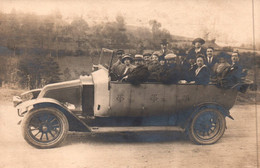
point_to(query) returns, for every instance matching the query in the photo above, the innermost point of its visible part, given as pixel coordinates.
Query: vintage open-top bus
(94, 103)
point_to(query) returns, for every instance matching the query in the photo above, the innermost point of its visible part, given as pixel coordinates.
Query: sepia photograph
(129, 83)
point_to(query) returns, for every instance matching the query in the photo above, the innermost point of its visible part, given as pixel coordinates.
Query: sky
(229, 21)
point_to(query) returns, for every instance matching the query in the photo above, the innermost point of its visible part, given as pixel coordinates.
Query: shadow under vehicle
(94, 103)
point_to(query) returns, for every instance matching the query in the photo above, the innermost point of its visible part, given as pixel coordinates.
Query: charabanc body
(94, 103)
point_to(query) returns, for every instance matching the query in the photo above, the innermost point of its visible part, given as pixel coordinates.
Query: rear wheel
(45, 127)
(207, 127)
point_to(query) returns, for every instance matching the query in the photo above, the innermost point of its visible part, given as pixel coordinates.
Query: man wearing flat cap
(196, 49)
(154, 68)
(140, 73)
(172, 71)
(147, 58)
(164, 49)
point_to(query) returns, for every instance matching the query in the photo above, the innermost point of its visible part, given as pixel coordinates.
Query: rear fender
(75, 124)
(184, 123)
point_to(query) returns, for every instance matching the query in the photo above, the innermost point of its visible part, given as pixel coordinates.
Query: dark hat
(139, 57)
(223, 55)
(127, 56)
(200, 40)
(164, 41)
(120, 52)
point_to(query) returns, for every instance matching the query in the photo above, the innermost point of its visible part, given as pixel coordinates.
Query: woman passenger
(202, 73)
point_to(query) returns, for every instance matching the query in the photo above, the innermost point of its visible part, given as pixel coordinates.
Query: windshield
(105, 57)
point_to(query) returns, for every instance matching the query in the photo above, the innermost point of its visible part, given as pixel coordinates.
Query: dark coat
(170, 75)
(154, 71)
(213, 62)
(192, 54)
(233, 76)
(117, 70)
(128, 71)
(236, 70)
(188, 71)
(138, 75)
(202, 78)
(191, 71)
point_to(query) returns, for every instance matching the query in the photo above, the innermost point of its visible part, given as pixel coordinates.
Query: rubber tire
(197, 140)
(57, 141)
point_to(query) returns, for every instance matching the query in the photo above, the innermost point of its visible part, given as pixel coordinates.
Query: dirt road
(236, 149)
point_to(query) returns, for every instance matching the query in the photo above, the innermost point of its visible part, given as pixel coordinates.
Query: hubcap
(44, 128)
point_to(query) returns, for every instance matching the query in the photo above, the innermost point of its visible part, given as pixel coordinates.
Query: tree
(155, 28)
(158, 34)
(34, 71)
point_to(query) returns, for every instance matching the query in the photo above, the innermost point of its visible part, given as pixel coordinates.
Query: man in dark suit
(140, 73)
(235, 73)
(210, 60)
(196, 49)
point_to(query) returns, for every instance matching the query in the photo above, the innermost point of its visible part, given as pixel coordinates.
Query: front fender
(75, 124)
(28, 105)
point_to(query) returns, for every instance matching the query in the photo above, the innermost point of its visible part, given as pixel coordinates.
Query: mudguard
(185, 119)
(75, 124)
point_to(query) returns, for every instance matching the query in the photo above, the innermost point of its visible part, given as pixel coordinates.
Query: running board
(137, 129)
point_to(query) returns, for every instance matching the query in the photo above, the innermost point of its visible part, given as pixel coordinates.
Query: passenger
(128, 68)
(221, 68)
(235, 73)
(236, 68)
(202, 73)
(211, 60)
(196, 49)
(181, 60)
(164, 49)
(139, 74)
(170, 74)
(161, 61)
(154, 68)
(188, 69)
(184, 66)
(147, 58)
(117, 68)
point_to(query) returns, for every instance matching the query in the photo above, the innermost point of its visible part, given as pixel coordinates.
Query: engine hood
(83, 80)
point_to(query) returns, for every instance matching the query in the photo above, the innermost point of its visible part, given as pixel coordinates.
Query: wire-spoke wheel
(207, 127)
(45, 127)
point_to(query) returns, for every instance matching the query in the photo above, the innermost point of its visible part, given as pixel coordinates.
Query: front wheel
(45, 127)
(207, 127)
